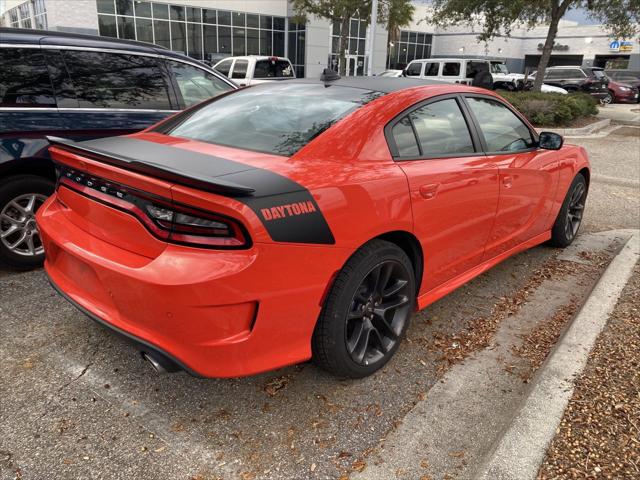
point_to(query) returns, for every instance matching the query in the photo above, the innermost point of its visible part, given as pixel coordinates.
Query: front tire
(609, 98)
(366, 312)
(20, 243)
(569, 218)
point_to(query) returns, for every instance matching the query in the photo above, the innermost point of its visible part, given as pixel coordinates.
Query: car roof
(255, 57)
(23, 36)
(376, 84)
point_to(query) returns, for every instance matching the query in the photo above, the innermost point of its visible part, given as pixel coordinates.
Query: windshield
(273, 69)
(277, 118)
(599, 73)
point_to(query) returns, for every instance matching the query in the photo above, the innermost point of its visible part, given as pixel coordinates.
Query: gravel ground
(599, 436)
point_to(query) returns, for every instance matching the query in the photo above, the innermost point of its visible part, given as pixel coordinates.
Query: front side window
(196, 85)
(273, 69)
(451, 69)
(24, 79)
(502, 129)
(441, 129)
(240, 69)
(431, 70)
(274, 118)
(414, 69)
(224, 67)
(113, 80)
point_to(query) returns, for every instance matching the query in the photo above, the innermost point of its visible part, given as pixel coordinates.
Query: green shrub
(552, 109)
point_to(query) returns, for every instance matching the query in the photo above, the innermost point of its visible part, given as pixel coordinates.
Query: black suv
(589, 80)
(78, 87)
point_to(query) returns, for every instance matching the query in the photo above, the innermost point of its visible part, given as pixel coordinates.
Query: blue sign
(614, 46)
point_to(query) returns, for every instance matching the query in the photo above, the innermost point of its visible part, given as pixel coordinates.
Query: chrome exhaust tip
(155, 364)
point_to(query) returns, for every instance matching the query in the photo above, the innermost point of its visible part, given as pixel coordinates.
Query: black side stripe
(287, 210)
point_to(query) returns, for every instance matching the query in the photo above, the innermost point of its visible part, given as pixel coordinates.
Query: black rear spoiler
(188, 177)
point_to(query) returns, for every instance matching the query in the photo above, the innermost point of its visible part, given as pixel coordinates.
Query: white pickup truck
(254, 69)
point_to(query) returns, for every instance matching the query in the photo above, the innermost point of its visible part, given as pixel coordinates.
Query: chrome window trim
(123, 52)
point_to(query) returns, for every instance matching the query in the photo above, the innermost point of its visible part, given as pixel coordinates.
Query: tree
(393, 13)
(498, 17)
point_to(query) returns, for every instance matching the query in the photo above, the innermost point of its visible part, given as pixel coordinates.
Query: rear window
(278, 118)
(273, 69)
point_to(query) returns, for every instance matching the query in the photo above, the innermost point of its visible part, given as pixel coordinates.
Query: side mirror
(550, 141)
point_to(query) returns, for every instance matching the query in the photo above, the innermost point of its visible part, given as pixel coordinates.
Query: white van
(254, 69)
(453, 70)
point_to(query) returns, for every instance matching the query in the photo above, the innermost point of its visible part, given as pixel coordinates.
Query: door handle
(430, 190)
(507, 181)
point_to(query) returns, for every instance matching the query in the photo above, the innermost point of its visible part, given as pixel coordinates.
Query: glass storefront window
(202, 33)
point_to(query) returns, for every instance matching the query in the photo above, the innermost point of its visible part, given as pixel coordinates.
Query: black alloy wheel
(569, 218)
(575, 209)
(378, 313)
(366, 312)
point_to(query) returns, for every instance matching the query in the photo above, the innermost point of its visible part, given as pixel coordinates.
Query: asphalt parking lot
(78, 402)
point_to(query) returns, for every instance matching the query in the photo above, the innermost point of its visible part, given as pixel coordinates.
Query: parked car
(463, 70)
(503, 79)
(78, 87)
(621, 93)
(249, 233)
(589, 80)
(254, 69)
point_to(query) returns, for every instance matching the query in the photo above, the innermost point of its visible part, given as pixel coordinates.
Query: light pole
(372, 35)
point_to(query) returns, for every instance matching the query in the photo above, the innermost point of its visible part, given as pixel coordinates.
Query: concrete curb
(522, 447)
(589, 129)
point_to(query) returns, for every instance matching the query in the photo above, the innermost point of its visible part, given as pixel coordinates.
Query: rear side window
(273, 69)
(113, 80)
(240, 69)
(441, 129)
(24, 79)
(195, 84)
(431, 70)
(451, 69)
(502, 129)
(278, 118)
(405, 138)
(414, 69)
(224, 67)
(435, 130)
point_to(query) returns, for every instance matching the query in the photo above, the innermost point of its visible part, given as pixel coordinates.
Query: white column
(372, 36)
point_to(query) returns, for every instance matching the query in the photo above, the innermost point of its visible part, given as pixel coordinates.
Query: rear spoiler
(196, 180)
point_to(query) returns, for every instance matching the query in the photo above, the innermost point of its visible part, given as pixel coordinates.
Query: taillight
(163, 218)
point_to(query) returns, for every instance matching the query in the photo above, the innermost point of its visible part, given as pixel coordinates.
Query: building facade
(213, 29)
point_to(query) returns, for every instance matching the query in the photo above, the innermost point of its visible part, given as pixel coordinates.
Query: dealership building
(213, 29)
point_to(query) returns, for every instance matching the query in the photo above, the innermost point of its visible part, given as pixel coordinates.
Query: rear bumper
(215, 313)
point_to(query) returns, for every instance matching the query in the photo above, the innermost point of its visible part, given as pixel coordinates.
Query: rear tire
(569, 218)
(366, 312)
(20, 198)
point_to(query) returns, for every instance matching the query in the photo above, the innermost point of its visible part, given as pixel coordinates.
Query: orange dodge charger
(301, 219)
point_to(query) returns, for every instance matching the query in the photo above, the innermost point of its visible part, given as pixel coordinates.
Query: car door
(528, 175)
(108, 93)
(454, 186)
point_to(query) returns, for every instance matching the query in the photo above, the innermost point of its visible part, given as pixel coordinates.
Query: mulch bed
(599, 435)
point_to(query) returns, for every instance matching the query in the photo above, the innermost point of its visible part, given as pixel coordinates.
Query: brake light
(163, 218)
